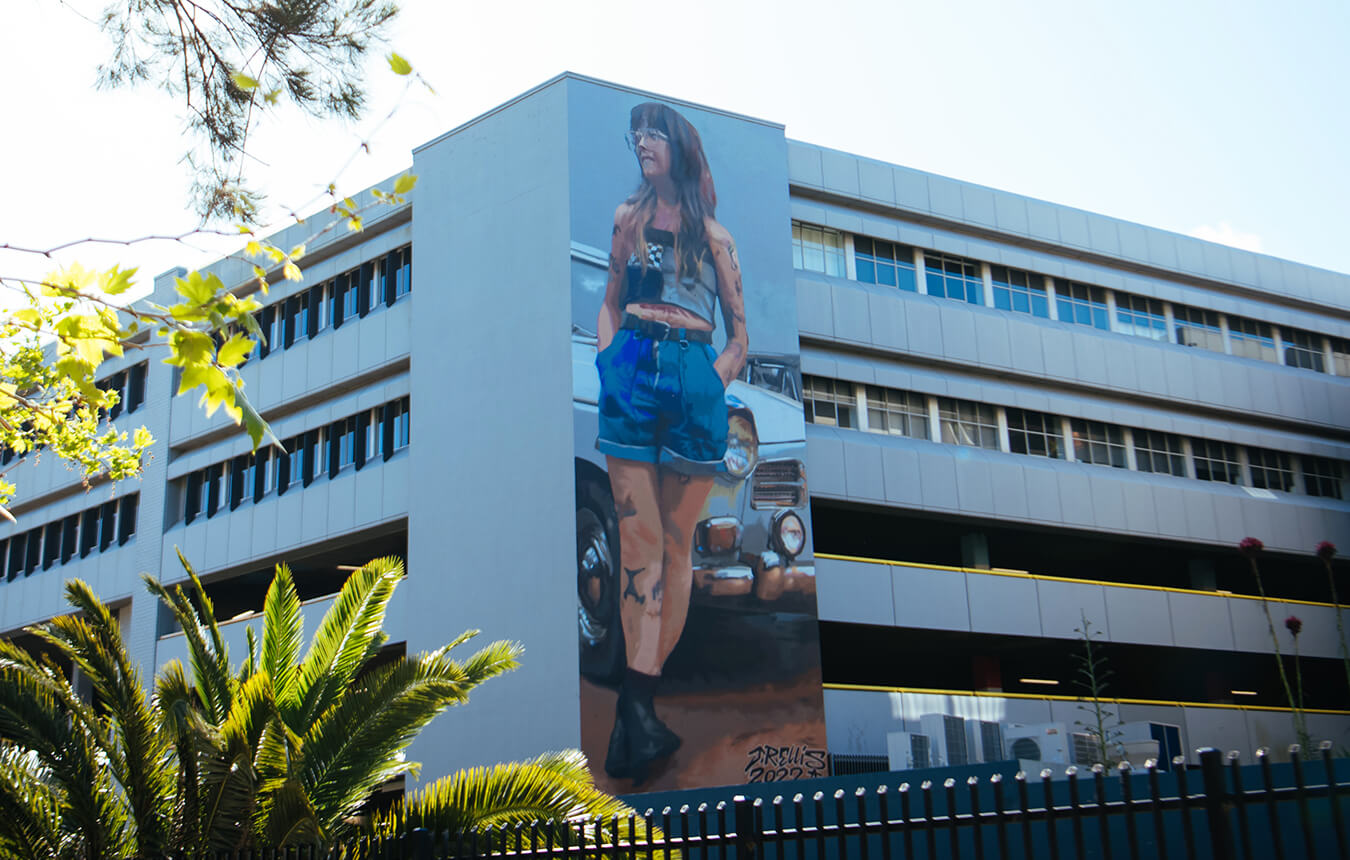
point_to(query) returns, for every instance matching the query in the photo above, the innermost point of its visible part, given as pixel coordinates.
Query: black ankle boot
(639, 737)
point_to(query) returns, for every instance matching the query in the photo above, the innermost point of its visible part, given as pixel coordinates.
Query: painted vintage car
(751, 547)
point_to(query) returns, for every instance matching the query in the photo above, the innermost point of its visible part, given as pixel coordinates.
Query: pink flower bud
(1294, 624)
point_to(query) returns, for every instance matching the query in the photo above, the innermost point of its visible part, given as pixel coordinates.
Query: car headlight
(789, 534)
(742, 446)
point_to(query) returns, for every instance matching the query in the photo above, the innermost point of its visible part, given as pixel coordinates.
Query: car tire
(599, 626)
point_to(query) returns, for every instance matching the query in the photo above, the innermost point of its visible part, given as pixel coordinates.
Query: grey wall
(491, 513)
(934, 598)
(980, 209)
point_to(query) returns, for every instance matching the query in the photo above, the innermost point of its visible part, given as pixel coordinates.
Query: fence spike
(1239, 796)
(1076, 816)
(861, 796)
(1000, 815)
(929, 833)
(1301, 789)
(722, 829)
(818, 801)
(884, 814)
(1216, 803)
(1103, 823)
(1024, 802)
(799, 817)
(1332, 797)
(1184, 801)
(973, 783)
(779, 838)
(1051, 833)
(949, 789)
(1127, 797)
(703, 830)
(1272, 812)
(747, 835)
(839, 824)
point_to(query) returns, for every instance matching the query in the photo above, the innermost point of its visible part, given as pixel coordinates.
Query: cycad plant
(279, 749)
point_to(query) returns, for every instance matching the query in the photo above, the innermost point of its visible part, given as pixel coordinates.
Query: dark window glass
(126, 518)
(953, 278)
(70, 537)
(1081, 304)
(107, 525)
(1034, 433)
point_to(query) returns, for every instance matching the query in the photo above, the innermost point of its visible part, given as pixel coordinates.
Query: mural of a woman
(663, 415)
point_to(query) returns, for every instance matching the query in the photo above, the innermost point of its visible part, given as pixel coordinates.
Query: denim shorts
(662, 402)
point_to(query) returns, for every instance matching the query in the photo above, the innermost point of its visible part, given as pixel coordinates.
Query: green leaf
(405, 183)
(28, 316)
(196, 289)
(234, 350)
(399, 65)
(189, 347)
(116, 281)
(243, 81)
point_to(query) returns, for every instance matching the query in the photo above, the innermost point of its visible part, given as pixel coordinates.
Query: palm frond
(40, 712)
(555, 787)
(31, 825)
(210, 668)
(283, 633)
(229, 777)
(136, 750)
(353, 747)
(285, 816)
(347, 637)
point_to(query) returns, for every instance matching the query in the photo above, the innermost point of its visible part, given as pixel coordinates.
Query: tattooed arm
(621, 246)
(732, 297)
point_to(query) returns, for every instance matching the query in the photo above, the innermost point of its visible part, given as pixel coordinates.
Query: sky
(1225, 120)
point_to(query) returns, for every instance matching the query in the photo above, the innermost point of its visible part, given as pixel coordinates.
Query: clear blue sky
(1220, 119)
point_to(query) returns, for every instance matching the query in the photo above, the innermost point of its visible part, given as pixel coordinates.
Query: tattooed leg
(640, 565)
(682, 498)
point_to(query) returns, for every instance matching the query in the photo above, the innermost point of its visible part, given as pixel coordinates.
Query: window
(1081, 304)
(350, 305)
(218, 486)
(1303, 349)
(51, 545)
(1141, 317)
(1340, 356)
(265, 471)
(1323, 477)
(70, 537)
(953, 278)
(401, 263)
(884, 263)
(1216, 461)
(1019, 291)
(318, 309)
(966, 423)
(18, 549)
(126, 518)
(1196, 327)
(244, 480)
(1271, 470)
(1099, 444)
(375, 434)
(1161, 453)
(1251, 339)
(346, 443)
(902, 413)
(88, 531)
(829, 402)
(402, 423)
(1034, 433)
(817, 249)
(107, 532)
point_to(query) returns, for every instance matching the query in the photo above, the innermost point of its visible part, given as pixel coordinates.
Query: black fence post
(1216, 804)
(747, 834)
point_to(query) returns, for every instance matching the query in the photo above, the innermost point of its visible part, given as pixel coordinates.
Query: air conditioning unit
(1167, 736)
(984, 740)
(1049, 742)
(908, 750)
(948, 736)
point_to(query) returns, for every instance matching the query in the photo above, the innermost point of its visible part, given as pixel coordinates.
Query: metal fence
(1220, 809)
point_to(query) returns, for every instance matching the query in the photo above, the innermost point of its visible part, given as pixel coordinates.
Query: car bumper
(765, 577)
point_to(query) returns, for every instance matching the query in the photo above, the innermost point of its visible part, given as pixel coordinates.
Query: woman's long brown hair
(693, 185)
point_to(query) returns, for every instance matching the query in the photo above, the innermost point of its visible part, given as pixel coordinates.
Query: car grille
(778, 484)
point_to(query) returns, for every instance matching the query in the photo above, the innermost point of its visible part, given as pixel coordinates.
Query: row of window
(1022, 431)
(130, 387)
(355, 441)
(352, 294)
(78, 535)
(821, 249)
